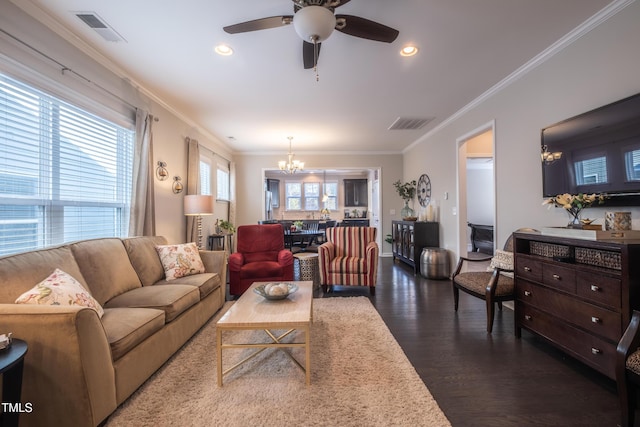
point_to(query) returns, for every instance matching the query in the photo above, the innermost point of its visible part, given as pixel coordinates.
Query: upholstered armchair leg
(456, 297)
(372, 290)
(325, 288)
(490, 315)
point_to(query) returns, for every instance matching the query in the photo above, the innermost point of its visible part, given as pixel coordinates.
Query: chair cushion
(261, 269)
(477, 282)
(348, 265)
(351, 241)
(128, 327)
(633, 362)
(173, 299)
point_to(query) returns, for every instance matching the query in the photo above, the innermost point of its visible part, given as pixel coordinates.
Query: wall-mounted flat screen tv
(595, 152)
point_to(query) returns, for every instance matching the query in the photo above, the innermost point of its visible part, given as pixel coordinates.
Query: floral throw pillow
(180, 260)
(60, 288)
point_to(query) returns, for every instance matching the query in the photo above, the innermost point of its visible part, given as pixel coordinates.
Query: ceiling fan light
(314, 23)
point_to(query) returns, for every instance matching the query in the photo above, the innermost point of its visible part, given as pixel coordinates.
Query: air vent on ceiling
(410, 123)
(98, 25)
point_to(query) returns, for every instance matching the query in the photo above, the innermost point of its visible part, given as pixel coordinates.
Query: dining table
(301, 239)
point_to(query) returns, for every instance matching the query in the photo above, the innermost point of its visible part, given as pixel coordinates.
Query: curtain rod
(64, 69)
(187, 139)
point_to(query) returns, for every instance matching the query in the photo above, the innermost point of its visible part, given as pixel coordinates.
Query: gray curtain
(142, 216)
(193, 182)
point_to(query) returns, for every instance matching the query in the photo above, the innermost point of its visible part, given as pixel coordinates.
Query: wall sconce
(177, 185)
(161, 171)
(549, 157)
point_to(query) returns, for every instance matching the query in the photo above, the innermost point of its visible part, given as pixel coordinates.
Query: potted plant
(225, 227)
(298, 225)
(407, 192)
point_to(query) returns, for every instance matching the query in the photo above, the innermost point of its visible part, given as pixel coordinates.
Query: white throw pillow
(60, 288)
(180, 260)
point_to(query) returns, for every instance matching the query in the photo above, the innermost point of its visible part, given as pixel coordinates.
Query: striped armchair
(349, 258)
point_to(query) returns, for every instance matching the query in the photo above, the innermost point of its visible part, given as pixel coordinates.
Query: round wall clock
(424, 190)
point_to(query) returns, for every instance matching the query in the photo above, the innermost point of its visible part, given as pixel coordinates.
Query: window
(293, 196)
(312, 196)
(223, 185)
(205, 177)
(65, 174)
(632, 165)
(331, 190)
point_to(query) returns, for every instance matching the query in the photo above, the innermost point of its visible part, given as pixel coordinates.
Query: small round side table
(11, 365)
(307, 267)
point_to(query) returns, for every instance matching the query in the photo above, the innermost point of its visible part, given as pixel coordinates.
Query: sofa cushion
(205, 282)
(144, 257)
(180, 260)
(348, 265)
(106, 267)
(18, 273)
(128, 327)
(172, 299)
(60, 288)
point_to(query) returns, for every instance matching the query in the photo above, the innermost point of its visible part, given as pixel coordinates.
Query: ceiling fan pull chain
(315, 59)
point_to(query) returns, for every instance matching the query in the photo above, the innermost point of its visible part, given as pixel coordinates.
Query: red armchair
(349, 258)
(260, 257)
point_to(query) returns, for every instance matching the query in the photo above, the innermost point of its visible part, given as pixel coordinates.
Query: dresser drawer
(594, 319)
(600, 289)
(528, 268)
(559, 277)
(593, 351)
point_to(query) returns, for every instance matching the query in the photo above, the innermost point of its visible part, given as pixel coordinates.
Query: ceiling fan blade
(366, 29)
(259, 24)
(308, 54)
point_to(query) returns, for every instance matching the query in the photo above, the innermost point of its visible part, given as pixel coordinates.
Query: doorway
(476, 187)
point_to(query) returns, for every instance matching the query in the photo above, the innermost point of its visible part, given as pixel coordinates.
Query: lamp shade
(198, 205)
(314, 23)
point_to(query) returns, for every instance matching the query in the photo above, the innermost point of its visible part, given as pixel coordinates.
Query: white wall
(600, 67)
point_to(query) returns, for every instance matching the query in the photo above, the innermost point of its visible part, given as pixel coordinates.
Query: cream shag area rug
(359, 377)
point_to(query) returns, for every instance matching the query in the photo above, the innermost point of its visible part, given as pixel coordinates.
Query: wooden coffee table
(253, 312)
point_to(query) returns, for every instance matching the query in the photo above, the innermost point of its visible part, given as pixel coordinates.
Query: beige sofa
(80, 367)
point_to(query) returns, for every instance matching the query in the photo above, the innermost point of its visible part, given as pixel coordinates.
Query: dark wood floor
(481, 379)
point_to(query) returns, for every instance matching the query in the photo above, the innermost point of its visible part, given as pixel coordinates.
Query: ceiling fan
(314, 21)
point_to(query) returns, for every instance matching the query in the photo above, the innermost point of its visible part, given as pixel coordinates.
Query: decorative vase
(574, 219)
(406, 211)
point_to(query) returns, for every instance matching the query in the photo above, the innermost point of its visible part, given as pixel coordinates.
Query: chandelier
(290, 165)
(549, 157)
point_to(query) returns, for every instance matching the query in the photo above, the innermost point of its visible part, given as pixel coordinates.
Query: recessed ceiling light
(224, 50)
(409, 51)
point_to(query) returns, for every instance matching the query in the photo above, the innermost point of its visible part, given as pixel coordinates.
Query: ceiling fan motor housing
(314, 23)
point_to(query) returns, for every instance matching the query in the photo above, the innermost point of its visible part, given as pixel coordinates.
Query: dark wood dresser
(578, 294)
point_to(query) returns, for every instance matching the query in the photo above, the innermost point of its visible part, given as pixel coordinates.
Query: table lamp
(198, 205)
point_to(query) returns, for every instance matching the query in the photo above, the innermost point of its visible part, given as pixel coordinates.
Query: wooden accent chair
(349, 257)
(492, 286)
(628, 370)
(260, 257)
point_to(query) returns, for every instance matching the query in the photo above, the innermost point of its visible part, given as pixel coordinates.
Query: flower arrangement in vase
(574, 204)
(407, 192)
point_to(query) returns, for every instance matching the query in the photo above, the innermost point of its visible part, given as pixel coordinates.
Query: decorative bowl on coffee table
(266, 292)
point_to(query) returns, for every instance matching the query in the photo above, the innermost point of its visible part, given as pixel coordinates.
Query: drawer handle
(595, 288)
(528, 317)
(527, 293)
(527, 269)
(595, 350)
(555, 276)
(595, 319)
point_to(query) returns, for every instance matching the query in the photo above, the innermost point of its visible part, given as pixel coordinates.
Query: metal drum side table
(306, 267)
(435, 263)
